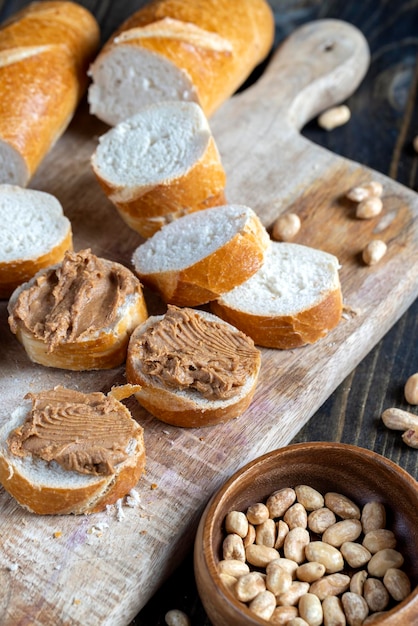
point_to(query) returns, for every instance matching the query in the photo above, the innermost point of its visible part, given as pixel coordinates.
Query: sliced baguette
(45, 50)
(200, 256)
(59, 336)
(34, 234)
(198, 51)
(196, 354)
(294, 299)
(160, 164)
(47, 488)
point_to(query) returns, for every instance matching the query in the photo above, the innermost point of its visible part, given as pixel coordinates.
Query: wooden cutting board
(101, 569)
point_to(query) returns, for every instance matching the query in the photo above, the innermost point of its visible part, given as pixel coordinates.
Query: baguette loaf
(192, 368)
(79, 314)
(160, 164)
(200, 256)
(200, 50)
(92, 455)
(34, 234)
(45, 50)
(294, 298)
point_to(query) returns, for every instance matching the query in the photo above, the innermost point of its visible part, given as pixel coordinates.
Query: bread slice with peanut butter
(79, 314)
(71, 452)
(193, 368)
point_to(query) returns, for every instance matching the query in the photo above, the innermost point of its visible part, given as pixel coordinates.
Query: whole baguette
(200, 50)
(45, 50)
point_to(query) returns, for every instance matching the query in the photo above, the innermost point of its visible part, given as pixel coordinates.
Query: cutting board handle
(318, 66)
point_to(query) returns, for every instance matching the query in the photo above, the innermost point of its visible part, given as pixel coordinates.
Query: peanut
(297, 621)
(410, 437)
(249, 586)
(355, 608)
(366, 209)
(334, 117)
(281, 531)
(295, 543)
(292, 596)
(355, 554)
(397, 583)
(362, 192)
(357, 582)
(176, 618)
(375, 594)
(260, 556)
(296, 516)
(379, 539)
(333, 613)
(250, 536)
(320, 519)
(326, 554)
(263, 605)
(257, 513)
(310, 609)
(280, 500)
(373, 516)
(309, 572)
(283, 614)
(332, 585)
(383, 560)
(265, 533)
(278, 579)
(228, 581)
(397, 419)
(374, 252)
(286, 227)
(233, 567)
(411, 389)
(287, 564)
(346, 530)
(309, 497)
(233, 547)
(236, 522)
(342, 506)
(373, 618)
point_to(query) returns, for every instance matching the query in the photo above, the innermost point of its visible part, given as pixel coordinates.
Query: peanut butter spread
(184, 350)
(86, 433)
(74, 300)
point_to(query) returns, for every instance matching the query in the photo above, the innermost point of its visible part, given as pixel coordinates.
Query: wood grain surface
(102, 571)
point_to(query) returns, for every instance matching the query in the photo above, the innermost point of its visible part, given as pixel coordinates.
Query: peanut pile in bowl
(303, 558)
(311, 534)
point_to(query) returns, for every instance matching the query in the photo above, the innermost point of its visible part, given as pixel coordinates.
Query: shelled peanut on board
(398, 419)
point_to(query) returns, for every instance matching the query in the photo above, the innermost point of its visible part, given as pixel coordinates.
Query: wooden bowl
(358, 473)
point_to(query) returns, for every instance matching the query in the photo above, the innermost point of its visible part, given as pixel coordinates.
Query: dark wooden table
(383, 124)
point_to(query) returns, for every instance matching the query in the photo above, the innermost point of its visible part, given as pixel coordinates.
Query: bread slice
(45, 49)
(193, 369)
(161, 163)
(34, 234)
(198, 257)
(47, 487)
(179, 50)
(294, 298)
(79, 314)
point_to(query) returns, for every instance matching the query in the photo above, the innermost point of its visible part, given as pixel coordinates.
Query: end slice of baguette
(49, 489)
(160, 164)
(184, 405)
(198, 257)
(294, 299)
(34, 234)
